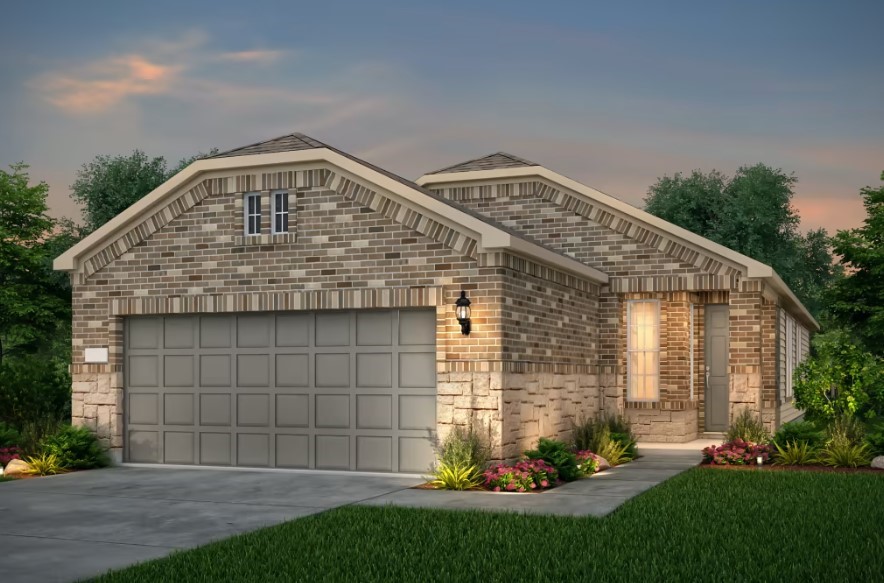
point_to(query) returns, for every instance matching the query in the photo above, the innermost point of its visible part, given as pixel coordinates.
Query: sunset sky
(611, 94)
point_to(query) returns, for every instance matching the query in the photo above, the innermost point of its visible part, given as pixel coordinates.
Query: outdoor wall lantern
(462, 311)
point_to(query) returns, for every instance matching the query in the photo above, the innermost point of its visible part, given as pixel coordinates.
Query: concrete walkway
(68, 527)
(597, 495)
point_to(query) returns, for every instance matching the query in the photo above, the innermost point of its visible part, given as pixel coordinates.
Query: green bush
(846, 428)
(76, 448)
(615, 453)
(747, 427)
(799, 432)
(875, 435)
(9, 435)
(839, 379)
(33, 389)
(794, 453)
(596, 434)
(464, 447)
(558, 454)
(456, 477)
(45, 464)
(841, 453)
(34, 432)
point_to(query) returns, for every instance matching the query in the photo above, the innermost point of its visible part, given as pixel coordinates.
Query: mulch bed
(772, 468)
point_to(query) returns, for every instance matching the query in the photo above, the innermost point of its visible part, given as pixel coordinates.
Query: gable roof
(489, 162)
(753, 269)
(298, 148)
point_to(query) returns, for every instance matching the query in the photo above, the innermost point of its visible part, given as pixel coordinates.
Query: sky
(612, 94)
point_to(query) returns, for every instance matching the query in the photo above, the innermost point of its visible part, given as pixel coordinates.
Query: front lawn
(699, 526)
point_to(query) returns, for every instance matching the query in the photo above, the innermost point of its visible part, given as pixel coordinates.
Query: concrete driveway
(64, 528)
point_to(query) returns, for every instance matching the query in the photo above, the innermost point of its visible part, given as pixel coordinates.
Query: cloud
(106, 83)
(263, 57)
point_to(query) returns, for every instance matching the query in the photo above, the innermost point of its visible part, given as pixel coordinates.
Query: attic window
(252, 210)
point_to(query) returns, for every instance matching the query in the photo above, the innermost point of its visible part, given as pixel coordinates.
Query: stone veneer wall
(354, 248)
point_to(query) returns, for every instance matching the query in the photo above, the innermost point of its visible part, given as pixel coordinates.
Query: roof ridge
(477, 163)
(304, 138)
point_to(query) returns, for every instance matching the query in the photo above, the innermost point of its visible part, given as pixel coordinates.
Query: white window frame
(691, 350)
(790, 357)
(277, 213)
(249, 215)
(630, 352)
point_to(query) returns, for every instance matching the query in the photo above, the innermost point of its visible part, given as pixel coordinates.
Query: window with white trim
(252, 213)
(792, 354)
(643, 350)
(280, 212)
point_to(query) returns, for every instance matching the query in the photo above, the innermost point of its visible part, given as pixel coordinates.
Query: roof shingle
(489, 162)
(287, 143)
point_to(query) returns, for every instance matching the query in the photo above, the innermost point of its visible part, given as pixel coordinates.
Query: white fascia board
(488, 236)
(754, 269)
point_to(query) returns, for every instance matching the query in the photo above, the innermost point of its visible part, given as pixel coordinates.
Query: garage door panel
(292, 451)
(293, 410)
(252, 370)
(215, 331)
(374, 370)
(253, 331)
(144, 333)
(333, 411)
(143, 409)
(292, 370)
(374, 412)
(178, 447)
(374, 328)
(253, 449)
(293, 329)
(417, 369)
(178, 371)
(178, 333)
(253, 410)
(417, 327)
(374, 453)
(215, 449)
(143, 371)
(178, 409)
(333, 452)
(332, 370)
(215, 370)
(343, 390)
(144, 446)
(215, 409)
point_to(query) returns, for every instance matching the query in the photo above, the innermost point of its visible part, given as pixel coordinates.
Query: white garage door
(343, 390)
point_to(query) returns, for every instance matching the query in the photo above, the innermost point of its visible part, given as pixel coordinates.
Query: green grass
(5, 478)
(703, 525)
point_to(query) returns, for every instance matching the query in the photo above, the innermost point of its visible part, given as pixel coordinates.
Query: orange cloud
(256, 56)
(106, 83)
(830, 212)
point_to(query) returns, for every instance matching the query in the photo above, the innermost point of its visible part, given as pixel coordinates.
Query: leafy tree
(750, 213)
(858, 298)
(33, 299)
(109, 184)
(840, 378)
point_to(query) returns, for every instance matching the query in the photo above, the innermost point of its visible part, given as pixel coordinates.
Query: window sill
(265, 239)
(673, 405)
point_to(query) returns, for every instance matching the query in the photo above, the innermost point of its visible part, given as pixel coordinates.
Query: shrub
(840, 452)
(747, 427)
(9, 435)
(34, 432)
(799, 432)
(530, 474)
(557, 454)
(587, 462)
(839, 378)
(457, 477)
(464, 447)
(7, 454)
(845, 428)
(615, 453)
(875, 436)
(34, 388)
(594, 434)
(45, 464)
(795, 453)
(76, 448)
(737, 452)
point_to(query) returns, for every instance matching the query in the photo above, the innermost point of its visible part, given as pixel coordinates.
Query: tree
(750, 213)
(33, 299)
(109, 184)
(858, 299)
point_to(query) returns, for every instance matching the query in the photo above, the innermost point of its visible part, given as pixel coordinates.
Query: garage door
(344, 390)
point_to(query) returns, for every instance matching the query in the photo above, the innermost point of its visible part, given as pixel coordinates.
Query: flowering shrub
(526, 475)
(736, 452)
(7, 454)
(587, 462)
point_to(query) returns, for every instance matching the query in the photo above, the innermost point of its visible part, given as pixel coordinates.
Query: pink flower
(497, 488)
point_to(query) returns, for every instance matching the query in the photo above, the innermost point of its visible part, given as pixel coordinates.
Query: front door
(716, 367)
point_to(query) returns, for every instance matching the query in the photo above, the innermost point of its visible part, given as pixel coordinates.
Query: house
(286, 304)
